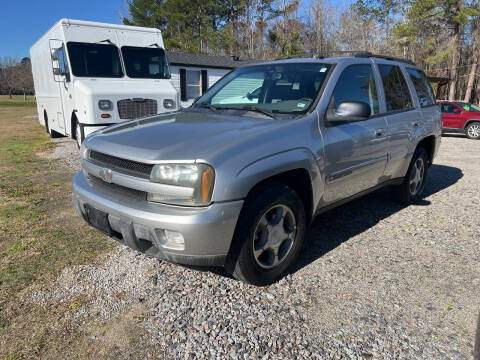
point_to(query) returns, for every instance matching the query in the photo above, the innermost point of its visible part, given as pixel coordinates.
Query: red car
(460, 117)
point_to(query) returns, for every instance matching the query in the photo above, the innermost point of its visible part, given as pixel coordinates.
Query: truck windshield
(145, 63)
(289, 88)
(94, 60)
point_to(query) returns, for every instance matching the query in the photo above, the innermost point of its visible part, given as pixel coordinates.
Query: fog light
(168, 103)
(172, 239)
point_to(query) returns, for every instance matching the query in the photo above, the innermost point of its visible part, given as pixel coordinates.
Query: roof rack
(368, 54)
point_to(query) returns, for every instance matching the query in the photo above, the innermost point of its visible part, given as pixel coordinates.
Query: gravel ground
(375, 280)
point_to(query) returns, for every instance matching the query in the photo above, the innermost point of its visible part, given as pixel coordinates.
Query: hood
(125, 88)
(187, 135)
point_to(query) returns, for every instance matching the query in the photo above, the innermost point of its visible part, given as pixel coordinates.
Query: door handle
(379, 133)
(416, 124)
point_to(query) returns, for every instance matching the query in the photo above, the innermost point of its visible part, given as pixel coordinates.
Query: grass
(17, 101)
(40, 234)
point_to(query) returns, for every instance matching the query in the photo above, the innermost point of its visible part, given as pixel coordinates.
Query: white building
(193, 74)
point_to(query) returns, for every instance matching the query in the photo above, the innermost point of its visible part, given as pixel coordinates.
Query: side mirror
(58, 71)
(457, 111)
(349, 111)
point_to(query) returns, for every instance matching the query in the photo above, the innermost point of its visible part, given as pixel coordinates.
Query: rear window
(422, 87)
(94, 60)
(397, 96)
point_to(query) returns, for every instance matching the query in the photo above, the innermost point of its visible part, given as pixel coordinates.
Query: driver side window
(357, 83)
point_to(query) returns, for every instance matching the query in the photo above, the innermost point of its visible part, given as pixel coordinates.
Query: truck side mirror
(349, 111)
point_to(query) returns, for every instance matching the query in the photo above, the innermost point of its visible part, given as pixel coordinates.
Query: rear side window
(357, 83)
(397, 95)
(422, 87)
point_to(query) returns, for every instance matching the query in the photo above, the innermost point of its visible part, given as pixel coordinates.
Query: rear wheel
(269, 235)
(473, 131)
(411, 189)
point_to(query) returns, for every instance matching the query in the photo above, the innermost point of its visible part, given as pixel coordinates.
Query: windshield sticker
(300, 105)
(323, 69)
(296, 86)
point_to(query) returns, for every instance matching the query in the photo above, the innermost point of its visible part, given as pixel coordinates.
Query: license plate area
(98, 219)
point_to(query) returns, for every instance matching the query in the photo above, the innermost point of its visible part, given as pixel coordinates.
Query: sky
(22, 22)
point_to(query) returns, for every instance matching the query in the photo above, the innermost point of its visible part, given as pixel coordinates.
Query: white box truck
(89, 75)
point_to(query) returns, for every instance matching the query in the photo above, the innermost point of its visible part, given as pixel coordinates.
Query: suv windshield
(145, 63)
(94, 60)
(289, 88)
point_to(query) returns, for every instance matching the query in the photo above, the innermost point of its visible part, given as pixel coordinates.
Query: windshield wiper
(208, 106)
(253, 108)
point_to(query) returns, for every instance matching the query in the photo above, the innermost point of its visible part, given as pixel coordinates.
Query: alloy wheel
(474, 130)
(274, 236)
(416, 177)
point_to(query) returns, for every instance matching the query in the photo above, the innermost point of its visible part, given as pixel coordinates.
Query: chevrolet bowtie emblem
(106, 175)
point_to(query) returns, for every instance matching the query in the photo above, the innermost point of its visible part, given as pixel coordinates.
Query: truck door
(451, 116)
(62, 77)
(355, 152)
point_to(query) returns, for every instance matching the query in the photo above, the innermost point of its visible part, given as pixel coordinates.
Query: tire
(79, 134)
(411, 189)
(260, 227)
(46, 124)
(472, 131)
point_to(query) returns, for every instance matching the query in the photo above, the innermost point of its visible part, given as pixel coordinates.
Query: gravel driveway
(375, 280)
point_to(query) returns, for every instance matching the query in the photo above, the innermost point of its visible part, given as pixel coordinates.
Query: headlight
(84, 151)
(198, 179)
(168, 103)
(105, 105)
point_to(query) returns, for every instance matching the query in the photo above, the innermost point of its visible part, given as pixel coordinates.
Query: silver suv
(236, 179)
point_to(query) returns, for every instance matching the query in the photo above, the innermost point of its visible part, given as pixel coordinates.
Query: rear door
(355, 152)
(401, 115)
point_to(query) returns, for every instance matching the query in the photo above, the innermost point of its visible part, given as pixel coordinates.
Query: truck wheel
(79, 134)
(473, 131)
(269, 235)
(45, 117)
(411, 189)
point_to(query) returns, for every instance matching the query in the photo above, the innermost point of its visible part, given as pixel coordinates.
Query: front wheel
(269, 235)
(78, 134)
(473, 131)
(411, 189)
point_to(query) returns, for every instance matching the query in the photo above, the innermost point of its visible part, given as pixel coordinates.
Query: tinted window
(281, 88)
(469, 107)
(357, 83)
(448, 108)
(94, 60)
(397, 96)
(146, 63)
(422, 87)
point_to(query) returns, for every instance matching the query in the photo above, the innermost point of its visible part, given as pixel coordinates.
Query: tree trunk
(454, 64)
(10, 93)
(455, 56)
(471, 79)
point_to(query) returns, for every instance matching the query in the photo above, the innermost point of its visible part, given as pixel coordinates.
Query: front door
(355, 152)
(452, 116)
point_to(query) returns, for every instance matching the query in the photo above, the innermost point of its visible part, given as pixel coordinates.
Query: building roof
(209, 61)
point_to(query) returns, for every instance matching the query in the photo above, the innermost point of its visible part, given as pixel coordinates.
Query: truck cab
(90, 75)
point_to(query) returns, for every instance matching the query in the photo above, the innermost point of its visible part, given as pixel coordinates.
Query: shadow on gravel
(336, 226)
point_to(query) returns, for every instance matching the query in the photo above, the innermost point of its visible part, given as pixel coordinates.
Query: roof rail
(356, 53)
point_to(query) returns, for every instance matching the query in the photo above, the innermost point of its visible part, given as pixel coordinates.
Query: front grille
(120, 190)
(136, 108)
(124, 166)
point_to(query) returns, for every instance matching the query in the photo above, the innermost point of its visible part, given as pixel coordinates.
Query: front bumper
(207, 231)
